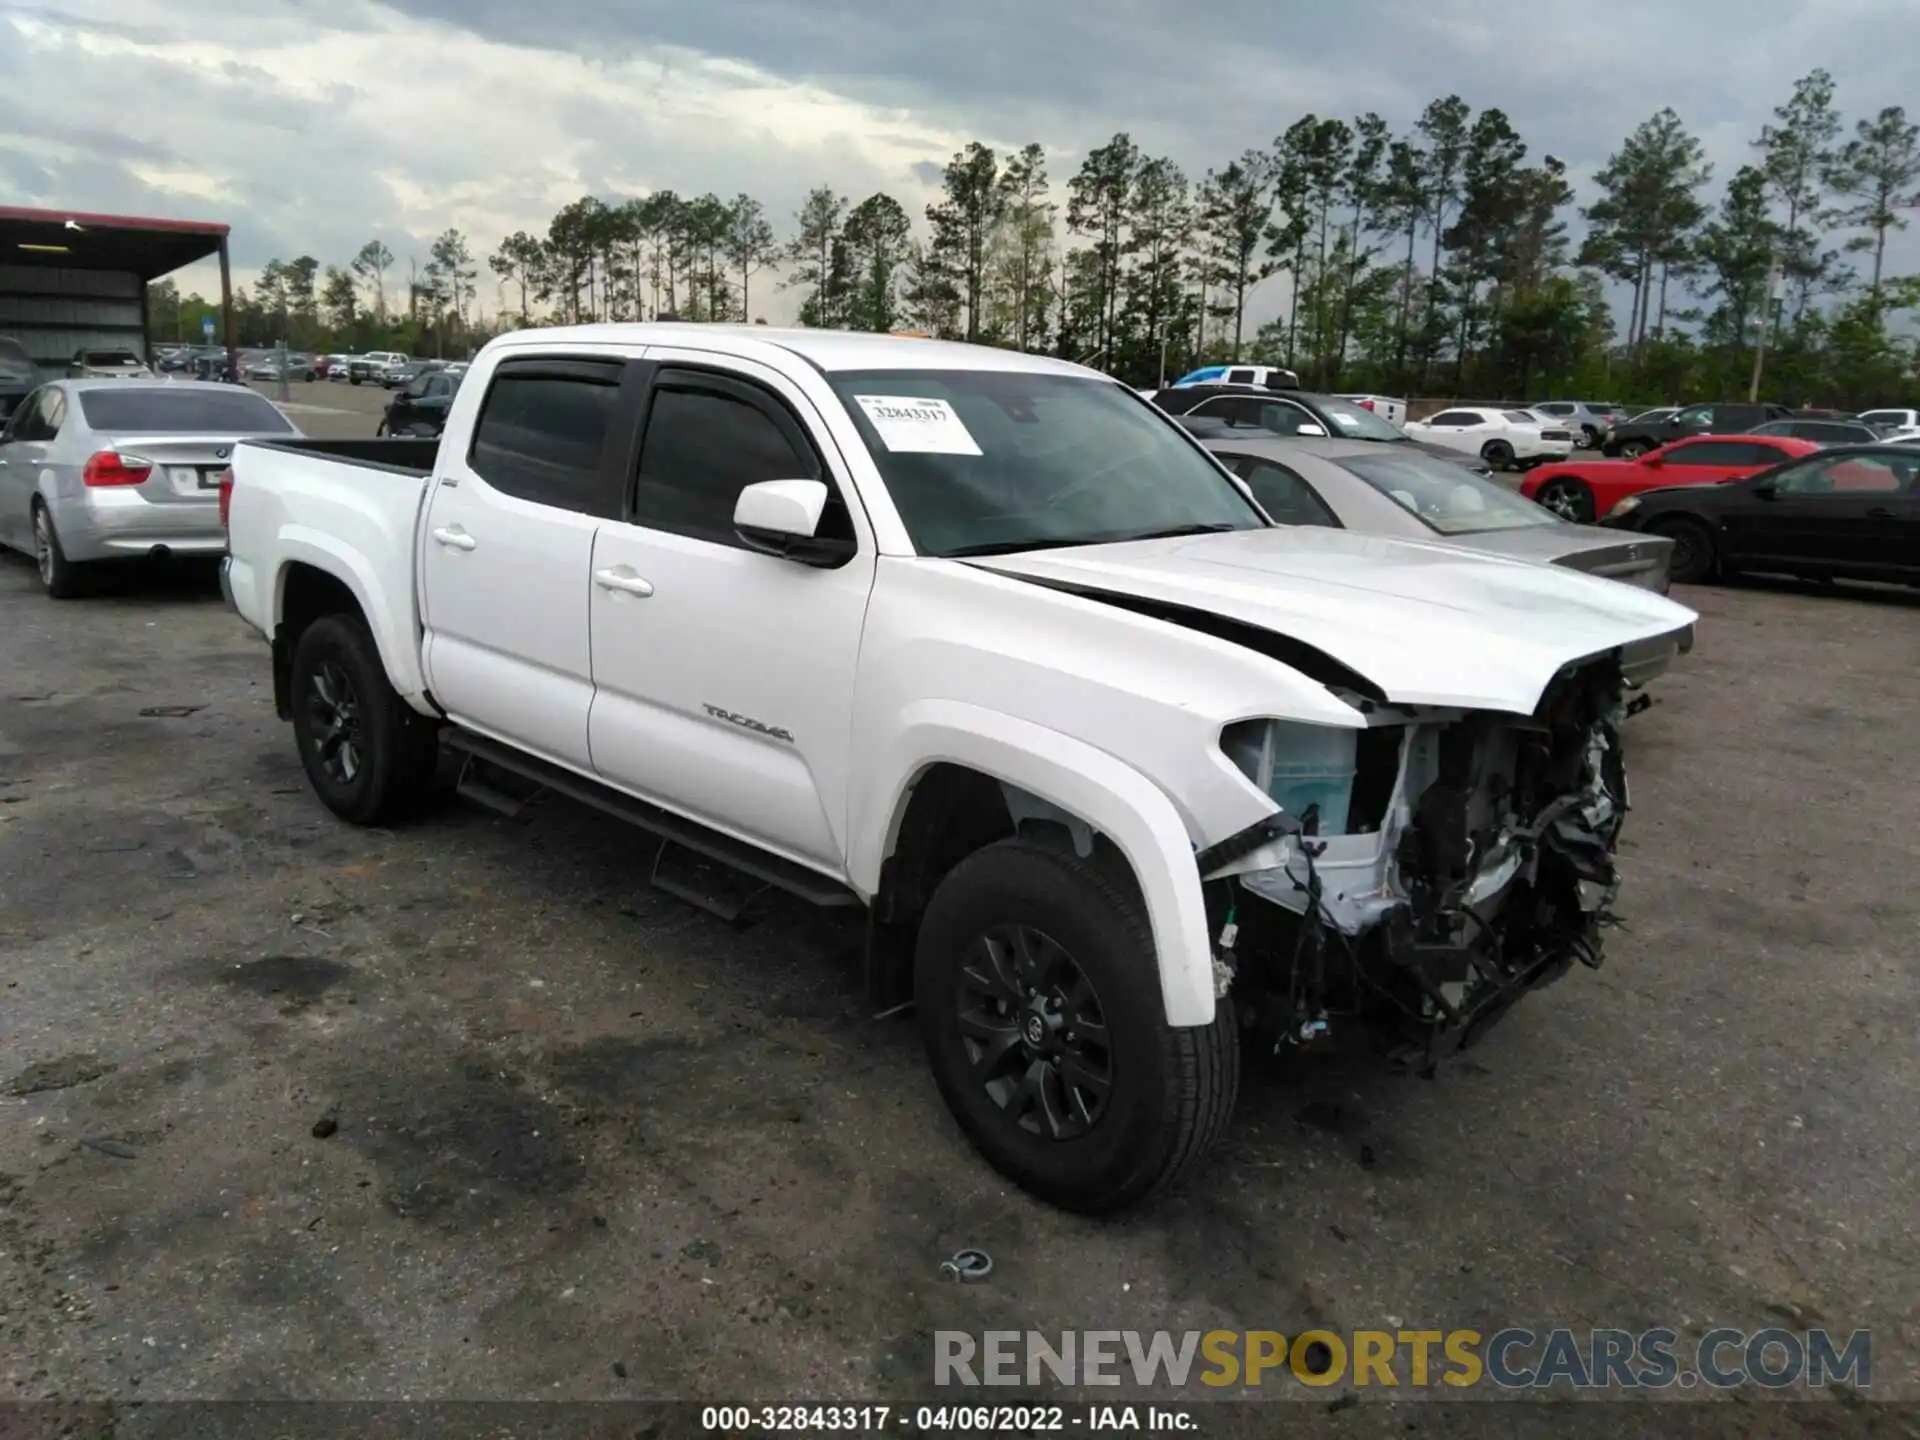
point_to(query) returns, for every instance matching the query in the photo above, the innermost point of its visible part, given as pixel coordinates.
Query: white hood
(1427, 624)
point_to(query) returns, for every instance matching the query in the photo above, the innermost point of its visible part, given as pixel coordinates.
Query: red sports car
(1583, 491)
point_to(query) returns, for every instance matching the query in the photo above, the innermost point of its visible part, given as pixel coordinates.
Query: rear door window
(1713, 453)
(1239, 377)
(542, 433)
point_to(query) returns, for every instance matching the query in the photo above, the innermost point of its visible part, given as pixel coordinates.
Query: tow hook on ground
(969, 1264)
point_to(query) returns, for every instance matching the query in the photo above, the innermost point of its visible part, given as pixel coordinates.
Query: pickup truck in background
(372, 367)
(983, 646)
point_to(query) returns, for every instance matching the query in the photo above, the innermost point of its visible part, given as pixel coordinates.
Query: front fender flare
(1113, 797)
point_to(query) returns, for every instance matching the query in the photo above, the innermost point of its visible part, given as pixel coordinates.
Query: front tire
(1569, 499)
(369, 756)
(59, 576)
(1695, 558)
(1039, 1004)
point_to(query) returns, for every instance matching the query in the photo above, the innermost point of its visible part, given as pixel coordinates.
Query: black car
(1293, 413)
(19, 376)
(1848, 513)
(420, 407)
(1636, 438)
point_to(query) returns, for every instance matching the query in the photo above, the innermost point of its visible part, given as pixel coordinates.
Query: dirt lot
(593, 1144)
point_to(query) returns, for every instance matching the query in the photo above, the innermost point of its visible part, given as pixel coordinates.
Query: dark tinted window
(1455, 417)
(1839, 434)
(1240, 377)
(1283, 494)
(111, 357)
(39, 416)
(1882, 473)
(541, 433)
(177, 410)
(1713, 452)
(702, 448)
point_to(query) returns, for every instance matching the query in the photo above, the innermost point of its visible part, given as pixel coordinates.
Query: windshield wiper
(1003, 547)
(1175, 531)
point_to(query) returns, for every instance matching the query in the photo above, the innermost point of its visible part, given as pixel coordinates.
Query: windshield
(985, 461)
(177, 410)
(1445, 497)
(112, 357)
(1356, 422)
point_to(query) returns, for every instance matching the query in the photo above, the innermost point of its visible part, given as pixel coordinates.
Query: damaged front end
(1425, 872)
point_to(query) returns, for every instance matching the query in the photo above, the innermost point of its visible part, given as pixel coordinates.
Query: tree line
(1438, 261)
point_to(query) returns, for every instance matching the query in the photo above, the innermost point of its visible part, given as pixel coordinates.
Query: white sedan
(1502, 438)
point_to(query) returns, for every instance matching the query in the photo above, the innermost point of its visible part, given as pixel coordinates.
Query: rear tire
(1695, 558)
(1568, 498)
(1497, 453)
(1042, 959)
(59, 576)
(369, 755)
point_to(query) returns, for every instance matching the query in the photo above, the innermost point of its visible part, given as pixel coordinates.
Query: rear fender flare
(384, 611)
(1111, 796)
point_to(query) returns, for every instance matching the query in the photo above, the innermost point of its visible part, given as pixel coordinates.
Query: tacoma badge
(747, 722)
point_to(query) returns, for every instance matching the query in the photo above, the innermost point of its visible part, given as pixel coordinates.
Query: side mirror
(1311, 430)
(782, 517)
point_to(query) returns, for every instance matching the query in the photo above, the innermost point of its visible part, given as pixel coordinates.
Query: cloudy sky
(313, 125)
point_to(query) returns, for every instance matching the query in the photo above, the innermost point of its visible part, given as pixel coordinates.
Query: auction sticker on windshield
(916, 425)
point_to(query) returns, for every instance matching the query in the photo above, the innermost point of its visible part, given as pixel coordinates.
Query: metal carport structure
(64, 272)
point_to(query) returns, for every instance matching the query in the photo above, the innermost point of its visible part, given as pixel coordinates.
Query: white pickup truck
(981, 643)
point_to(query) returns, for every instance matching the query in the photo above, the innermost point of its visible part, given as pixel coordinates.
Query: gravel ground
(466, 1110)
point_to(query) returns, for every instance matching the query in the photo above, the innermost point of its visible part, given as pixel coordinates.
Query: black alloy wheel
(1034, 1032)
(333, 721)
(1694, 556)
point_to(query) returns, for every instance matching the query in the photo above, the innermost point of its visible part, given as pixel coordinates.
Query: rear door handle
(622, 580)
(454, 538)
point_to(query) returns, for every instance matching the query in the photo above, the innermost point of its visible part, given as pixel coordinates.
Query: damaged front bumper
(1476, 864)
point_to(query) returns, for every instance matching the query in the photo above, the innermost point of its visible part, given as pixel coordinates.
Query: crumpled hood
(1427, 624)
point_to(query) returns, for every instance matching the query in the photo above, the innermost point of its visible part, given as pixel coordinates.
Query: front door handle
(454, 538)
(622, 580)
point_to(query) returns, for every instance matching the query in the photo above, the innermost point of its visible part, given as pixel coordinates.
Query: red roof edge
(114, 222)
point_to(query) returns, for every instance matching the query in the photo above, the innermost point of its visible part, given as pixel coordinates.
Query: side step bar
(750, 860)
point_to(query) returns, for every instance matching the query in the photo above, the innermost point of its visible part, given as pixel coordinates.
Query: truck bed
(408, 454)
(346, 508)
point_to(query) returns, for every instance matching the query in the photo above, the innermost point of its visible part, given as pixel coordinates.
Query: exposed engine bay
(1469, 859)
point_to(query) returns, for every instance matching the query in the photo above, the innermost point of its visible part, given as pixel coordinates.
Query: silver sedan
(95, 470)
(1403, 493)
